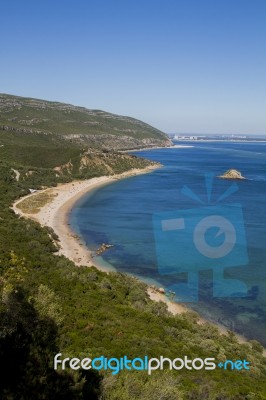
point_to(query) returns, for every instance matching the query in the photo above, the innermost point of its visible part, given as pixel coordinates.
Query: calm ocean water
(121, 214)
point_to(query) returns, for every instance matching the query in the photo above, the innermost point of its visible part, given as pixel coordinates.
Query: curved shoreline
(54, 214)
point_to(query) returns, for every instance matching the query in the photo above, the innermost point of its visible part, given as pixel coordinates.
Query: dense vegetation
(48, 305)
(76, 124)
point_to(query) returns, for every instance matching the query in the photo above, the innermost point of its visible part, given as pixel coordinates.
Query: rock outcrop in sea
(232, 174)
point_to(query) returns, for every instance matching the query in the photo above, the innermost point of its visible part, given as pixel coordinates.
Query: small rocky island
(232, 174)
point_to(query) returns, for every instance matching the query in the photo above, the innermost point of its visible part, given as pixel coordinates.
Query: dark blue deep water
(121, 214)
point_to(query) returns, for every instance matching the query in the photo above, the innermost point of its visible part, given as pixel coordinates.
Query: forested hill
(93, 128)
(55, 142)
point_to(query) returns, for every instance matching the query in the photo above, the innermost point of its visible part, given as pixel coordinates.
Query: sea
(181, 227)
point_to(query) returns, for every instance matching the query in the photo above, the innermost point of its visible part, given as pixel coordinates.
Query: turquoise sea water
(122, 214)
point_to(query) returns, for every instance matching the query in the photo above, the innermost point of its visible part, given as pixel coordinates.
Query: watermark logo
(209, 236)
(146, 363)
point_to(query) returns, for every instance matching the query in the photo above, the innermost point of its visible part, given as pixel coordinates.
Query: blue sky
(182, 66)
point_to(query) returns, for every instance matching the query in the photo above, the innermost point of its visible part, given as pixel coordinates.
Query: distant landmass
(217, 137)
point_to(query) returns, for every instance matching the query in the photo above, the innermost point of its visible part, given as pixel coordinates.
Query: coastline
(174, 146)
(179, 308)
(54, 214)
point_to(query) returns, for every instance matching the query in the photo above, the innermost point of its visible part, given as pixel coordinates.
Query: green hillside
(50, 306)
(93, 128)
(60, 142)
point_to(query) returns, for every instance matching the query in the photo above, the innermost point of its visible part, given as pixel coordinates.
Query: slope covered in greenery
(93, 128)
(48, 305)
(59, 161)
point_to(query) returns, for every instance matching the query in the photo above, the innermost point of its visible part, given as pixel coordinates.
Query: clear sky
(180, 65)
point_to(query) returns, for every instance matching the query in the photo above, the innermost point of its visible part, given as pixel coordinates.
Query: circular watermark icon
(225, 227)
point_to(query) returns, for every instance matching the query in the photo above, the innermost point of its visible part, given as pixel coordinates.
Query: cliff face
(115, 142)
(85, 127)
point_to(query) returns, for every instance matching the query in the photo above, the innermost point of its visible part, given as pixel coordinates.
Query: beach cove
(55, 213)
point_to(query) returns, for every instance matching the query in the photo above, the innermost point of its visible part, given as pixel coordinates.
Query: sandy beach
(54, 213)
